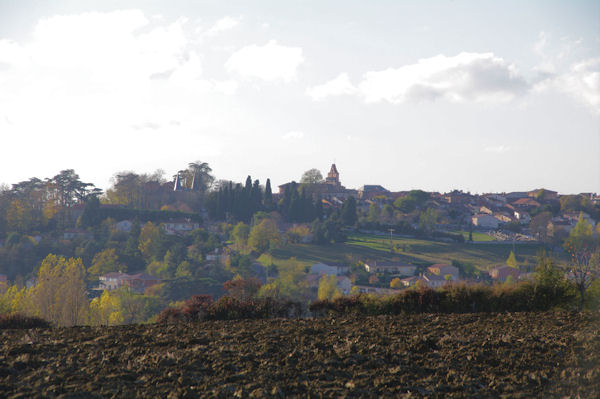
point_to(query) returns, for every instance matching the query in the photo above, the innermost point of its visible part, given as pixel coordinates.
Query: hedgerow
(453, 298)
(456, 298)
(19, 321)
(202, 307)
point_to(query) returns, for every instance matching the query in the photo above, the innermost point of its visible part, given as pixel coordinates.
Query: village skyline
(172, 178)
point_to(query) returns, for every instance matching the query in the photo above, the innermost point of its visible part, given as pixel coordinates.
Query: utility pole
(391, 242)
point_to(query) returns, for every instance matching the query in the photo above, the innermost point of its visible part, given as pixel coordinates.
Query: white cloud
(341, 85)
(581, 82)
(269, 62)
(110, 77)
(477, 77)
(466, 77)
(539, 46)
(293, 135)
(223, 24)
(546, 66)
(499, 149)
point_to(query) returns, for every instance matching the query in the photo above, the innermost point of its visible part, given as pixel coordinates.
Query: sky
(486, 96)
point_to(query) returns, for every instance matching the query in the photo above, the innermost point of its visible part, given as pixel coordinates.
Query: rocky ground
(473, 355)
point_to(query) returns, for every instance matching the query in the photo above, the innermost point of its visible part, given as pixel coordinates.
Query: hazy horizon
(443, 95)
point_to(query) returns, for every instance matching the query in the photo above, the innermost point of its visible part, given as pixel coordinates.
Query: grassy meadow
(361, 247)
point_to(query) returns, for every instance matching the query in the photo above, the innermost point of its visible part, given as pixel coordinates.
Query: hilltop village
(151, 241)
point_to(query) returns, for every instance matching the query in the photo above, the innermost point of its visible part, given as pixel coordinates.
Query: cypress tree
(319, 208)
(295, 209)
(256, 196)
(268, 201)
(349, 211)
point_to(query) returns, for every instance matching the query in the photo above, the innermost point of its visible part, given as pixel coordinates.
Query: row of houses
(179, 227)
(434, 276)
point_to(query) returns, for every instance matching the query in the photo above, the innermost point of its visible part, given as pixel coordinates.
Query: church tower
(333, 177)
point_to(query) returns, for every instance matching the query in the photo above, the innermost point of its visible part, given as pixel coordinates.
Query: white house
(330, 270)
(180, 226)
(434, 281)
(522, 216)
(112, 281)
(485, 221)
(394, 268)
(344, 284)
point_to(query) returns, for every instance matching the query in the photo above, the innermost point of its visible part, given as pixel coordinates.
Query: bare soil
(525, 355)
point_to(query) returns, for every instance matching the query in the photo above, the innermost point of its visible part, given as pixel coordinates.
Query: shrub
(19, 321)
(202, 307)
(197, 307)
(170, 316)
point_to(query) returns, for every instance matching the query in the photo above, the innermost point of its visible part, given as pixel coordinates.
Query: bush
(19, 321)
(202, 307)
(170, 316)
(197, 307)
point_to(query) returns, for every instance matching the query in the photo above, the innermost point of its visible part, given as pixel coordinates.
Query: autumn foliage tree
(263, 235)
(59, 295)
(328, 288)
(105, 310)
(242, 289)
(396, 283)
(106, 261)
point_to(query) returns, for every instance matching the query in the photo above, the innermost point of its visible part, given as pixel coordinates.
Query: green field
(477, 236)
(363, 247)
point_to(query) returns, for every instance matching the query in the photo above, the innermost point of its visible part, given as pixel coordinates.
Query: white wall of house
(485, 221)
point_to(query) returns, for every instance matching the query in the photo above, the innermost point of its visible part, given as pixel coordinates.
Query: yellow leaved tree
(59, 295)
(106, 310)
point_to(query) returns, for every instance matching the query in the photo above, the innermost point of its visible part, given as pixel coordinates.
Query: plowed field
(436, 356)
